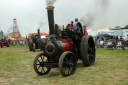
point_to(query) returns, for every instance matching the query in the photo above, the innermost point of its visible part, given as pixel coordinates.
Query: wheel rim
(68, 64)
(39, 64)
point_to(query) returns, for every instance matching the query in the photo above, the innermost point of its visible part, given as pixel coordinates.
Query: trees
(117, 27)
(126, 26)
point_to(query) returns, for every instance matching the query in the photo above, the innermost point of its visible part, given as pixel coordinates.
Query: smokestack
(51, 19)
(38, 30)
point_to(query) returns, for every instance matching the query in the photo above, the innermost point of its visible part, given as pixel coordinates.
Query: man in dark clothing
(117, 39)
(102, 38)
(124, 44)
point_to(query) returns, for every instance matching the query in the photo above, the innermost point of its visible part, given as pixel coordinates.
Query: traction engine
(65, 50)
(36, 42)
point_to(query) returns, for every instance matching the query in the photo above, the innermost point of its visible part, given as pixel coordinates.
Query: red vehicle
(3, 41)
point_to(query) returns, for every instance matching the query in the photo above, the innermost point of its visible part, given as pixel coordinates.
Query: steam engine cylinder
(57, 47)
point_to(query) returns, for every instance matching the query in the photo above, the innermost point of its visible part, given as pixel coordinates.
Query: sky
(32, 14)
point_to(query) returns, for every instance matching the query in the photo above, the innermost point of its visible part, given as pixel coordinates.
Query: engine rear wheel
(7, 44)
(39, 66)
(34, 47)
(30, 45)
(1, 44)
(87, 50)
(67, 63)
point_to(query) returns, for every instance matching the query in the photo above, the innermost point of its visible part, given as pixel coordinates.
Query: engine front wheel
(39, 65)
(67, 63)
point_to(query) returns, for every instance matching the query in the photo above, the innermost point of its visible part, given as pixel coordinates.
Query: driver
(70, 26)
(77, 25)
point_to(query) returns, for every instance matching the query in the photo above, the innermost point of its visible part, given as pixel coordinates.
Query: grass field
(16, 68)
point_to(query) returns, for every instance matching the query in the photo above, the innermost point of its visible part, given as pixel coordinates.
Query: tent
(10, 38)
(92, 33)
(112, 32)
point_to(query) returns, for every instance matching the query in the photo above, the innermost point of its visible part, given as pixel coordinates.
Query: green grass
(16, 68)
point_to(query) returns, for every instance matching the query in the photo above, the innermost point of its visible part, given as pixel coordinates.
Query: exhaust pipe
(51, 19)
(38, 30)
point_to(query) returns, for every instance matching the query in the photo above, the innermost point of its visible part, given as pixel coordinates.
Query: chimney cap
(50, 7)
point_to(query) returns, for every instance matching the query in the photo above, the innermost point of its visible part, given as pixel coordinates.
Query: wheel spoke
(70, 69)
(42, 58)
(37, 64)
(71, 59)
(46, 60)
(38, 68)
(38, 61)
(64, 70)
(90, 58)
(43, 69)
(65, 58)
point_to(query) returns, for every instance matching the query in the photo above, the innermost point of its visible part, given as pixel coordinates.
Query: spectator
(124, 44)
(121, 39)
(95, 40)
(113, 42)
(85, 30)
(16, 42)
(102, 38)
(117, 39)
(21, 43)
(109, 45)
(13, 42)
(127, 38)
(119, 44)
(97, 43)
(101, 43)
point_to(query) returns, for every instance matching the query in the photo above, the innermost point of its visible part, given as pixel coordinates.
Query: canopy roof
(113, 32)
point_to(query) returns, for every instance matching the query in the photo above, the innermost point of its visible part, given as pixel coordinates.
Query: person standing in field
(117, 39)
(85, 30)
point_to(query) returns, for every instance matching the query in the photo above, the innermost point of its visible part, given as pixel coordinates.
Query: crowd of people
(117, 43)
(18, 42)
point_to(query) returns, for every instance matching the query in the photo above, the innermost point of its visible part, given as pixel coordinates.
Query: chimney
(38, 30)
(51, 19)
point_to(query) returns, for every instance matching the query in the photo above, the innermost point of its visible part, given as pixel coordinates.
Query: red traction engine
(64, 51)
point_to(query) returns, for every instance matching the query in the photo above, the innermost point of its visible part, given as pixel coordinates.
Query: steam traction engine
(36, 42)
(64, 51)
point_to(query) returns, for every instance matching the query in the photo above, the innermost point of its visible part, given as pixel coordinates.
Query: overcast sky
(32, 14)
